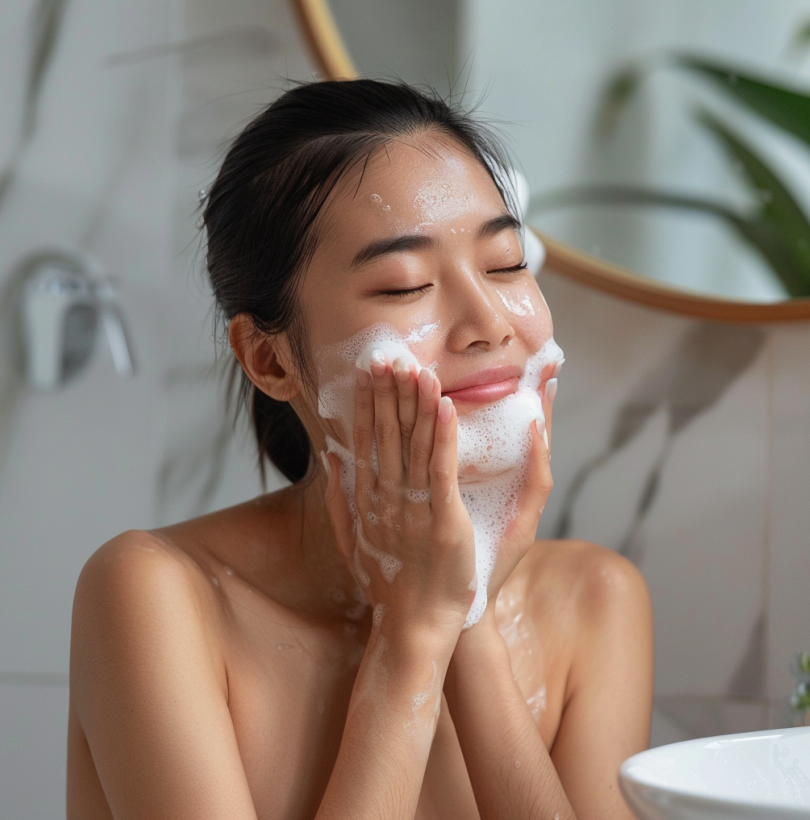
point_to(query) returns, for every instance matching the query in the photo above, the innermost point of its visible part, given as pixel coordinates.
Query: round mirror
(666, 144)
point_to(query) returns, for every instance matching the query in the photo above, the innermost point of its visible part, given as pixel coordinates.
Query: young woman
(303, 655)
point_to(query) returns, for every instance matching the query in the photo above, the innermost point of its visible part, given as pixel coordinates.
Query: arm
(149, 689)
(414, 561)
(510, 770)
(605, 720)
(610, 688)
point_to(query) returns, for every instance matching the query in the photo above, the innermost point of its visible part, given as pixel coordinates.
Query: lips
(486, 385)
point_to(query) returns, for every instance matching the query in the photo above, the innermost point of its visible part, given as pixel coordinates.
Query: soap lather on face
(493, 444)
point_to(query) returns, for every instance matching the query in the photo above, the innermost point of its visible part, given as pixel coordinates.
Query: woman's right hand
(410, 545)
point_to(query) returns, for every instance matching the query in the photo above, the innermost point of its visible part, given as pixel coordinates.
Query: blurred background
(683, 444)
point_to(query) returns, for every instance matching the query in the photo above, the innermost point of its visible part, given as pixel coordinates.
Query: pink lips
(487, 385)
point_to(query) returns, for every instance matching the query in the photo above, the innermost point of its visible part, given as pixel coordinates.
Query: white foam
(520, 307)
(493, 443)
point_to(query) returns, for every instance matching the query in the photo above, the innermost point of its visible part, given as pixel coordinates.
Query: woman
(304, 654)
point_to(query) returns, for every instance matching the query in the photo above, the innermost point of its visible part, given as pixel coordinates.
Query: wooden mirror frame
(334, 63)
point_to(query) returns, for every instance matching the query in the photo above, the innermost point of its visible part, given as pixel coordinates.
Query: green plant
(774, 224)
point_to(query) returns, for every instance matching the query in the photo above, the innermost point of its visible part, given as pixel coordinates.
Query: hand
(519, 536)
(410, 543)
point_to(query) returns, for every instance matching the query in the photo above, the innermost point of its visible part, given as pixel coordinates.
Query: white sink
(760, 775)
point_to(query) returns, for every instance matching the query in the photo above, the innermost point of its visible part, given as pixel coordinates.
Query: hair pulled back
(260, 215)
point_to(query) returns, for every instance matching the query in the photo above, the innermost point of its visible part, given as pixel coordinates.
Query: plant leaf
(616, 95)
(800, 41)
(778, 227)
(785, 107)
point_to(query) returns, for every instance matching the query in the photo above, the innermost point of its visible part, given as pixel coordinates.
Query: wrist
(480, 646)
(414, 643)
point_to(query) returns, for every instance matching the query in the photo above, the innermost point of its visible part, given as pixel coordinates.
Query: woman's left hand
(520, 534)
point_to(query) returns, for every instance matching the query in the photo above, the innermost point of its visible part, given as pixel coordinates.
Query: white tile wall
(33, 727)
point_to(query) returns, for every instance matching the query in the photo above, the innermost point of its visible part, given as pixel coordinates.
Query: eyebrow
(418, 242)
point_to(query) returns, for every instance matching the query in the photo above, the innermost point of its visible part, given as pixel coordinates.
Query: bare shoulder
(592, 574)
(592, 583)
(135, 592)
(134, 564)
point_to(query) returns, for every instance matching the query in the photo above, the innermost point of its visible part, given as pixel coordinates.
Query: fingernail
(425, 383)
(326, 466)
(445, 409)
(540, 424)
(363, 378)
(378, 357)
(545, 437)
(402, 371)
(551, 390)
(558, 368)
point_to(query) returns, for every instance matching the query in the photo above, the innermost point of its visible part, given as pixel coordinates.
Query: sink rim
(637, 789)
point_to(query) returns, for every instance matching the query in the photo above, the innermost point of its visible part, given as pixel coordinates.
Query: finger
(337, 505)
(532, 500)
(549, 392)
(386, 418)
(423, 431)
(363, 431)
(444, 460)
(407, 388)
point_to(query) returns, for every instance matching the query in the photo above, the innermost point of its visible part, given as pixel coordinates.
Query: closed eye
(513, 269)
(398, 294)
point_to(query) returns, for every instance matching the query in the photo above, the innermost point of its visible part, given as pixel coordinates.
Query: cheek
(528, 312)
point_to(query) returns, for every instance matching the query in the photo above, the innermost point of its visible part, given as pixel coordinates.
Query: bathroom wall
(136, 103)
(685, 445)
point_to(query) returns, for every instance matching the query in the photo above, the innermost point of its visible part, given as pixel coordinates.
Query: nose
(477, 317)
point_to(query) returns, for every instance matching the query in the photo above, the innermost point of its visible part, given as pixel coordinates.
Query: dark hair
(261, 212)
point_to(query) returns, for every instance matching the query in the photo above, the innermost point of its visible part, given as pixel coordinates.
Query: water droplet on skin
(283, 646)
(517, 764)
(228, 571)
(202, 194)
(386, 207)
(214, 581)
(200, 224)
(375, 198)
(361, 463)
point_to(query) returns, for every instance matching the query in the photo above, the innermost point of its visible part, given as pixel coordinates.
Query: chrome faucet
(63, 298)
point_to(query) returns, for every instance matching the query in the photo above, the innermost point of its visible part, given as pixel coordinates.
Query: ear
(267, 360)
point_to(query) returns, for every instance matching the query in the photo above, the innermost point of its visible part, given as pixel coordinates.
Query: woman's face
(421, 238)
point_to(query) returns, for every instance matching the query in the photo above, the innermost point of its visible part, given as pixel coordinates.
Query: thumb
(535, 492)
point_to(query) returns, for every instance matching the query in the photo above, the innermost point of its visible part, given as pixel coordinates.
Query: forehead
(409, 184)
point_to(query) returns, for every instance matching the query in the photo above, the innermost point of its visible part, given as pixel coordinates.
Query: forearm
(510, 769)
(389, 729)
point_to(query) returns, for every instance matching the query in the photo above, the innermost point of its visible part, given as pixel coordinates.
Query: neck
(327, 587)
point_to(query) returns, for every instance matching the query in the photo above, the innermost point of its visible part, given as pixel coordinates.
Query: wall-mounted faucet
(64, 298)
